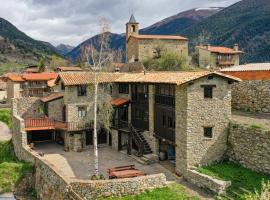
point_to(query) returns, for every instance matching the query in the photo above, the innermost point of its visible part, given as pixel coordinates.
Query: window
(81, 90)
(171, 122)
(208, 91)
(208, 132)
(81, 112)
(133, 28)
(62, 86)
(123, 88)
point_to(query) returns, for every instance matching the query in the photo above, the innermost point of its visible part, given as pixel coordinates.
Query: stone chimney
(235, 47)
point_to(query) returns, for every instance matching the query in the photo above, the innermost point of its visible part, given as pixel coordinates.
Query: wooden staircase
(140, 141)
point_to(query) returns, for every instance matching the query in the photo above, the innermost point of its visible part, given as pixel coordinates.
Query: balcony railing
(51, 124)
(225, 62)
(165, 100)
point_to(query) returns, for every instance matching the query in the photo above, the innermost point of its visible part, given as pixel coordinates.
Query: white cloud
(72, 21)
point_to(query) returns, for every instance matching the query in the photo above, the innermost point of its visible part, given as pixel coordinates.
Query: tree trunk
(95, 130)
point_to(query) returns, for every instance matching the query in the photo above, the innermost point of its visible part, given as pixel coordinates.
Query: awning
(119, 101)
(52, 97)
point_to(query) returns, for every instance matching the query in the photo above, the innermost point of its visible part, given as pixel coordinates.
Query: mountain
(245, 23)
(17, 49)
(63, 49)
(115, 42)
(170, 25)
(176, 23)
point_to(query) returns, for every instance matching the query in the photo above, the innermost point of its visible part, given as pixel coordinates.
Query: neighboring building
(253, 93)
(68, 69)
(3, 89)
(184, 114)
(29, 85)
(142, 47)
(31, 69)
(217, 57)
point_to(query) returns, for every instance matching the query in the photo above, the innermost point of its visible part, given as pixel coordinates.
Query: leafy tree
(167, 61)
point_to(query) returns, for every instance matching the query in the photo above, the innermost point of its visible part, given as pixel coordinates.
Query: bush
(167, 61)
(263, 195)
(5, 116)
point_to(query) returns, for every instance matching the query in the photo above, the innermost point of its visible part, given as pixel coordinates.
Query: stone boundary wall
(249, 147)
(207, 182)
(252, 96)
(120, 187)
(50, 184)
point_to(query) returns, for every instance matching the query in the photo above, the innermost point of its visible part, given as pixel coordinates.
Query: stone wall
(253, 96)
(55, 109)
(249, 147)
(207, 182)
(28, 107)
(120, 187)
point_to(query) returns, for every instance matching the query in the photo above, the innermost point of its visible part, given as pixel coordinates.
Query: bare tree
(98, 57)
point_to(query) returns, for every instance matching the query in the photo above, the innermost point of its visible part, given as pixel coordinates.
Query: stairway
(140, 141)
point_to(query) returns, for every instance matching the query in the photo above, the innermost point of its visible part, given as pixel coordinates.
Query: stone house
(183, 114)
(29, 85)
(253, 93)
(142, 47)
(217, 57)
(3, 89)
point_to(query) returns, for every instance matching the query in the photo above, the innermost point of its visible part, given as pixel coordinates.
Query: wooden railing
(46, 123)
(225, 62)
(165, 100)
(40, 122)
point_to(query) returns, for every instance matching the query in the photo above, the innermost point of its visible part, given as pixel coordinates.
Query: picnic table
(128, 171)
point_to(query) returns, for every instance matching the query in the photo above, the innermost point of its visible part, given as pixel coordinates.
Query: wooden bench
(128, 171)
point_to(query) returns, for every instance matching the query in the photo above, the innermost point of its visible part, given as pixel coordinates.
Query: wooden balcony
(225, 62)
(50, 124)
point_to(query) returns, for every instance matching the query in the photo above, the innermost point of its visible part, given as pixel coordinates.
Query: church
(143, 47)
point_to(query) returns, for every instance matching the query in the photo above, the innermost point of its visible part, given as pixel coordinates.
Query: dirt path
(5, 133)
(251, 118)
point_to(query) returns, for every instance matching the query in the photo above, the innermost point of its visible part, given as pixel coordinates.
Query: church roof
(132, 19)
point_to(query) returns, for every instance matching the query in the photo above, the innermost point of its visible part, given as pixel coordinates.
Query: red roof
(119, 101)
(223, 50)
(15, 78)
(39, 76)
(159, 37)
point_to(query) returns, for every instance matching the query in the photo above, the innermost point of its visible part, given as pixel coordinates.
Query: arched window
(133, 28)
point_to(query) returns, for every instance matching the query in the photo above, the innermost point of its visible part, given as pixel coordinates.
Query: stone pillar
(114, 139)
(77, 142)
(153, 142)
(66, 141)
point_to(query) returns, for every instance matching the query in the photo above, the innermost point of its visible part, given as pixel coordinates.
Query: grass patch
(11, 169)
(242, 179)
(5, 116)
(171, 192)
(257, 126)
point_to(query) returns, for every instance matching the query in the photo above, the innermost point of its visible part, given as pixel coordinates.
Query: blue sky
(73, 21)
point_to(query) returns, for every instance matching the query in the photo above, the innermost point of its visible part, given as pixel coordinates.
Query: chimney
(235, 47)
(208, 46)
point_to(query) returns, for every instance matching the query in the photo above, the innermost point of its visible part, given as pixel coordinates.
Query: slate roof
(132, 19)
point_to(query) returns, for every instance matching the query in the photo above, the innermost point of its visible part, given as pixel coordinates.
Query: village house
(216, 57)
(29, 84)
(68, 69)
(185, 115)
(142, 47)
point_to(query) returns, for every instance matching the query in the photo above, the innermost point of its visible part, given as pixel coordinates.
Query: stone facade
(193, 113)
(55, 109)
(252, 96)
(249, 147)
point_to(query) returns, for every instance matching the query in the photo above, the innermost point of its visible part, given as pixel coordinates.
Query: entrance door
(89, 137)
(102, 136)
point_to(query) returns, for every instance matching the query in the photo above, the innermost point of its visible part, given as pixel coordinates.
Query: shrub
(5, 116)
(263, 195)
